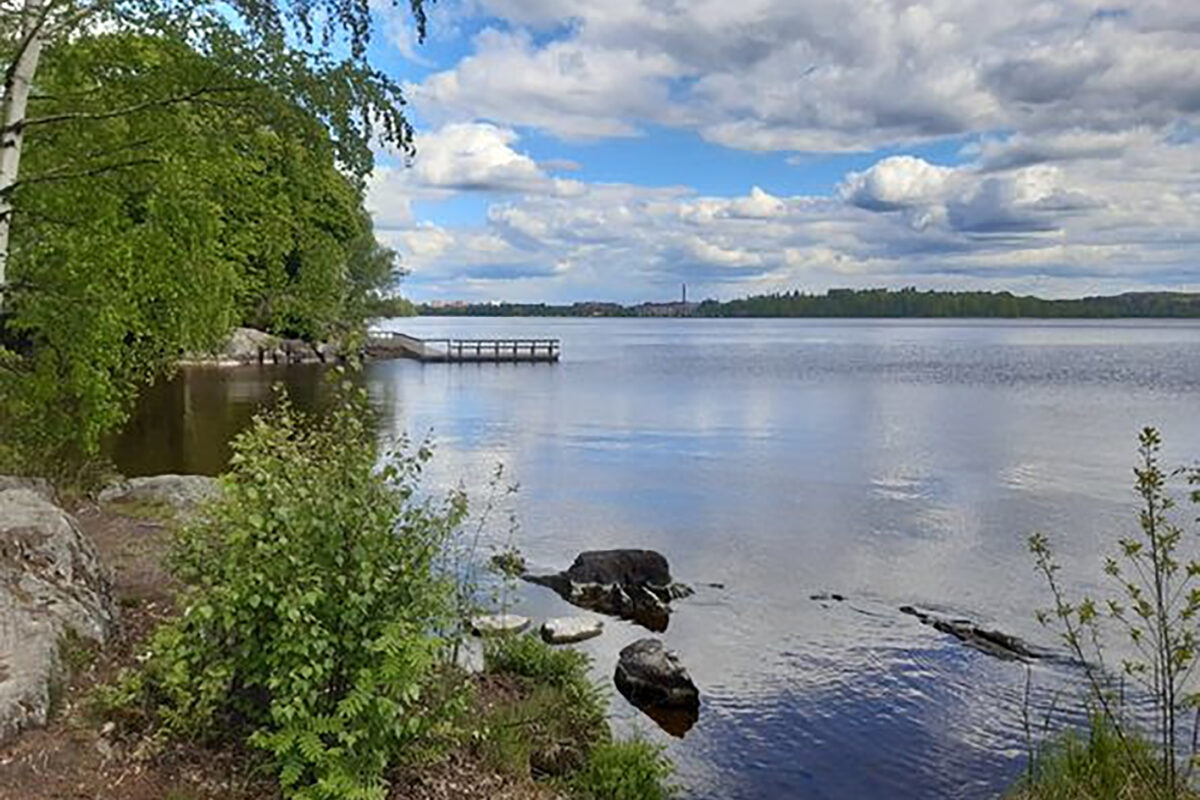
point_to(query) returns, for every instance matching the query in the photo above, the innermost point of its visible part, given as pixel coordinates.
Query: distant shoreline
(859, 304)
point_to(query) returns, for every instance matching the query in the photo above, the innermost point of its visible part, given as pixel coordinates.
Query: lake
(892, 462)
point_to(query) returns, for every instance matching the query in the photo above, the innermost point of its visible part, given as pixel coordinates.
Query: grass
(530, 658)
(630, 770)
(557, 727)
(1096, 765)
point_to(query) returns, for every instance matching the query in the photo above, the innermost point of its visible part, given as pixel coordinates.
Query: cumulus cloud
(826, 74)
(983, 230)
(479, 156)
(897, 183)
(1080, 163)
(1029, 200)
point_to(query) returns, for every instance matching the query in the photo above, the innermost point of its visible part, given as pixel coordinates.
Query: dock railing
(491, 349)
(392, 344)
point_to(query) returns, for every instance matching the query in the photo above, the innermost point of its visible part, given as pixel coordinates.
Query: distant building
(680, 309)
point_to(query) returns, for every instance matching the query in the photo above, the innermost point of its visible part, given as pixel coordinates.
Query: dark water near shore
(894, 462)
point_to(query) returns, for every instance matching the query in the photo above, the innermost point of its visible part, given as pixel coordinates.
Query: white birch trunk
(15, 102)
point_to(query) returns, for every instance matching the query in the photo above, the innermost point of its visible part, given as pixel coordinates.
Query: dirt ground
(77, 756)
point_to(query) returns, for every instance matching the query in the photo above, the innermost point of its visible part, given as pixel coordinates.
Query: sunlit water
(894, 462)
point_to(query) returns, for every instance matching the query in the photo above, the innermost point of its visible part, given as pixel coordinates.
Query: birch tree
(311, 51)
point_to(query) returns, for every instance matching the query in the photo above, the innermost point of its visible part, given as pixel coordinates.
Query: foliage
(527, 656)
(384, 307)
(312, 53)
(630, 770)
(1155, 602)
(1098, 765)
(195, 215)
(559, 727)
(311, 607)
(561, 715)
(912, 303)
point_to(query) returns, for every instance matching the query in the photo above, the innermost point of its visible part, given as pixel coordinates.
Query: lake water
(893, 462)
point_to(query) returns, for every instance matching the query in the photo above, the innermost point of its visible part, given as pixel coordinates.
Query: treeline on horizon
(907, 302)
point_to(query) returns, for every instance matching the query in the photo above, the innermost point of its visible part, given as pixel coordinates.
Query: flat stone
(179, 492)
(565, 630)
(494, 624)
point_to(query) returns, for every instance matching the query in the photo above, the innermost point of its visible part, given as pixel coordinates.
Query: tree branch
(70, 176)
(92, 116)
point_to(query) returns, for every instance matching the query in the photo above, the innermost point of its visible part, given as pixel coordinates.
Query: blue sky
(572, 150)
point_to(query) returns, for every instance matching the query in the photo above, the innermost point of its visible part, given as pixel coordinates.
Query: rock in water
(651, 677)
(179, 492)
(493, 624)
(565, 630)
(994, 643)
(51, 585)
(631, 584)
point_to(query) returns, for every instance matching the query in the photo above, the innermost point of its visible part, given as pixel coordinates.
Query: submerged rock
(179, 492)
(52, 586)
(631, 584)
(651, 677)
(495, 624)
(565, 630)
(992, 642)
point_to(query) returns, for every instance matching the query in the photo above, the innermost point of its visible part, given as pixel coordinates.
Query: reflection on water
(186, 425)
(894, 463)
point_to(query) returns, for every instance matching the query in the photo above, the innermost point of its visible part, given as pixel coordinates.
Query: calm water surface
(894, 462)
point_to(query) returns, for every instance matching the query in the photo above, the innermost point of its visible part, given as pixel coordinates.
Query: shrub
(628, 770)
(1099, 764)
(560, 716)
(527, 656)
(311, 617)
(1155, 601)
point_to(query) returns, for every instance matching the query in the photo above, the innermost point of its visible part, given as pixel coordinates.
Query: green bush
(560, 717)
(1098, 764)
(527, 656)
(560, 727)
(628, 770)
(313, 609)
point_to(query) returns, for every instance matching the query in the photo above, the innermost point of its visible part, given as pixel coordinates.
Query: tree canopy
(211, 201)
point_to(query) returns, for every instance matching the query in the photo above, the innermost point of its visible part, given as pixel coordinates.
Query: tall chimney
(685, 294)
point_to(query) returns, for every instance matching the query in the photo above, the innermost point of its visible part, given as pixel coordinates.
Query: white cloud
(1082, 170)
(576, 90)
(479, 156)
(897, 183)
(826, 74)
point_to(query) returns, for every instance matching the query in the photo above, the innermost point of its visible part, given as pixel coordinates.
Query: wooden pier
(389, 344)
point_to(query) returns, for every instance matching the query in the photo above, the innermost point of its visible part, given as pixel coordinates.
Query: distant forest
(913, 303)
(859, 303)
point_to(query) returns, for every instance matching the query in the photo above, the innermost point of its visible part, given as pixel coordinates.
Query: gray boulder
(651, 677)
(992, 642)
(566, 630)
(250, 346)
(39, 486)
(631, 584)
(650, 674)
(52, 585)
(178, 492)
